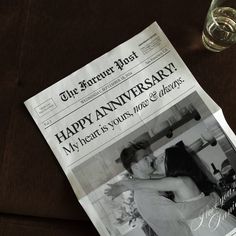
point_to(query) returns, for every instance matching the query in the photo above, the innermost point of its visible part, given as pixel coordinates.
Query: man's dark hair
(128, 156)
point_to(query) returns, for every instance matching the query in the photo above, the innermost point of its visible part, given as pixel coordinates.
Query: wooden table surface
(42, 41)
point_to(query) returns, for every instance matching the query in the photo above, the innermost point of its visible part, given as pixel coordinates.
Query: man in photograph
(157, 208)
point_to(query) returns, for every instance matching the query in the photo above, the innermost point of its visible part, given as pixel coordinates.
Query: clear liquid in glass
(220, 29)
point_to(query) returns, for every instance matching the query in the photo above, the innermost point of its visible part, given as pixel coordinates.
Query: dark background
(42, 41)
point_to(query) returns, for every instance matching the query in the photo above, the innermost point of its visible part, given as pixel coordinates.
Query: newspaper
(114, 126)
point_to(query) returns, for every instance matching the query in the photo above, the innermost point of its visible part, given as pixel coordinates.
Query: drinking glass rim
(211, 11)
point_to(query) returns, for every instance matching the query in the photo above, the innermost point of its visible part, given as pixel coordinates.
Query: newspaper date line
(119, 64)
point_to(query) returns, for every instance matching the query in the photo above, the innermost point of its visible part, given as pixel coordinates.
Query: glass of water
(219, 30)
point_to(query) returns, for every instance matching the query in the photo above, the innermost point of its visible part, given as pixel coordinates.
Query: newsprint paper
(145, 149)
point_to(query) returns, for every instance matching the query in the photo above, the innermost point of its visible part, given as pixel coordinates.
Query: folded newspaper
(145, 149)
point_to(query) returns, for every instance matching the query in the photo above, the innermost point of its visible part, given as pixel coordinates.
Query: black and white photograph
(175, 175)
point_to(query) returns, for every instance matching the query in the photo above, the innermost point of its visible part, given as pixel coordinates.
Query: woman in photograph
(182, 176)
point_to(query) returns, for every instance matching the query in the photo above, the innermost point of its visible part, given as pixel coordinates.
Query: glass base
(210, 45)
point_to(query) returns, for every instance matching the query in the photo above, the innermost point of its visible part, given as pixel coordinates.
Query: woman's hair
(128, 155)
(179, 162)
